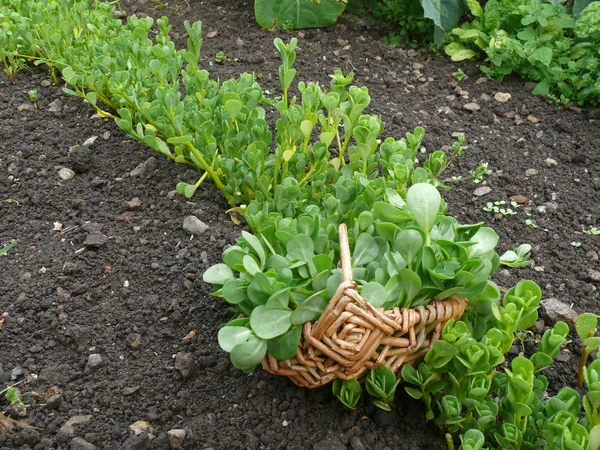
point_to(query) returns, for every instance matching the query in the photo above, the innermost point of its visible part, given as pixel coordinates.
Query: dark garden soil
(95, 275)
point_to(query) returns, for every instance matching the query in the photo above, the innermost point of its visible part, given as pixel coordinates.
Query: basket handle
(345, 253)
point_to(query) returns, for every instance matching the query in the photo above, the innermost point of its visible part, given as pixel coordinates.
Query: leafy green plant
(518, 257)
(381, 383)
(348, 392)
(576, 244)
(33, 97)
(459, 74)
(220, 57)
(585, 325)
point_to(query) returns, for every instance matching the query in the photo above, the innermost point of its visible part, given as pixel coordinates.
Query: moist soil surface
(109, 322)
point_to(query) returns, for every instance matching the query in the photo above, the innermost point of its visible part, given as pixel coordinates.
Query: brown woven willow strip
(352, 336)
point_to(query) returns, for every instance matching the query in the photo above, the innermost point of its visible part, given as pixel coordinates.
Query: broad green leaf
(310, 310)
(297, 14)
(218, 274)
(250, 265)
(230, 336)
(585, 324)
(256, 245)
(458, 52)
(234, 291)
(412, 284)
(284, 347)
(301, 247)
(279, 299)
(485, 240)
(365, 250)
(247, 355)
(408, 243)
(375, 294)
(269, 323)
(423, 201)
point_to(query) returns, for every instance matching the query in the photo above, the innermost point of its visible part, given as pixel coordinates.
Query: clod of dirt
(134, 340)
(26, 107)
(94, 240)
(80, 158)
(69, 427)
(54, 402)
(55, 106)
(94, 361)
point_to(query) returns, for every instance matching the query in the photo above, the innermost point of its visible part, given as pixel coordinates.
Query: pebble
(54, 401)
(520, 199)
(134, 340)
(551, 162)
(99, 182)
(94, 361)
(485, 98)
(55, 106)
(563, 357)
(130, 390)
(176, 438)
(538, 327)
(481, 191)
(94, 240)
(134, 203)
(46, 83)
(531, 172)
(66, 174)
(16, 410)
(533, 119)
(69, 426)
(592, 256)
(471, 107)
(185, 365)
(80, 444)
(26, 107)
(593, 275)
(553, 310)
(155, 266)
(193, 225)
(140, 427)
(145, 169)
(502, 97)
(119, 14)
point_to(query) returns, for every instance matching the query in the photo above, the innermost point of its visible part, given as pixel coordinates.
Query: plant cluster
(324, 164)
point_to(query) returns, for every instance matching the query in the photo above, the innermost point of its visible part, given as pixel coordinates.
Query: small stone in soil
(533, 119)
(185, 365)
(134, 203)
(593, 275)
(471, 107)
(531, 172)
(481, 191)
(580, 158)
(520, 199)
(45, 83)
(94, 361)
(563, 357)
(130, 390)
(553, 310)
(551, 162)
(26, 107)
(69, 426)
(502, 97)
(145, 169)
(66, 174)
(55, 106)
(16, 411)
(94, 240)
(176, 438)
(54, 401)
(99, 182)
(193, 225)
(140, 426)
(80, 444)
(134, 340)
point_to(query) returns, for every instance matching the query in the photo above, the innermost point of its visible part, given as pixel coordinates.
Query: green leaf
(234, 291)
(485, 240)
(269, 323)
(180, 140)
(250, 265)
(543, 55)
(408, 243)
(301, 247)
(284, 347)
(310, 310)
(423, 201)
(247, 355)
(585, 324)
(375, 294)
(230, 336)
(296, 14)
(458, 52)
(365, 250)
(255, 245)
(413, 392)
(218, 274)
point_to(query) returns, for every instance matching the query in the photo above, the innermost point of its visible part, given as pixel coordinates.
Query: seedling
(348, 392)
(586, 330)
(592, 231)
(459, 74)
(518, 257)
(7, 247)
(576, 244)
(220, 57)
(530, 224)
(499, 208)
(381, 383)
(33, 97)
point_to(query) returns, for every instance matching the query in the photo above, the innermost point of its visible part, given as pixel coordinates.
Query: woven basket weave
(352, 336)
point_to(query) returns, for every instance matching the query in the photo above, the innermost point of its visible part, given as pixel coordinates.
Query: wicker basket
(352, 336)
